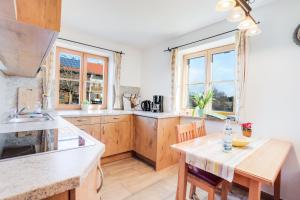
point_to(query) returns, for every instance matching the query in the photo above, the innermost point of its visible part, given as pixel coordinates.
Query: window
(80, 76)
(213, 69)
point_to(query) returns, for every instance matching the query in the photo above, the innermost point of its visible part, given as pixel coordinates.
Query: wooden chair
(197, 177)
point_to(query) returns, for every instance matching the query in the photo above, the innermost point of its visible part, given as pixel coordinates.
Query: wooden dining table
(262, 167)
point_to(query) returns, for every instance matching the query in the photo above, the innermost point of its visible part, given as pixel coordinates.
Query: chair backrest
(189, 131)
(201, 129)
(186, 132)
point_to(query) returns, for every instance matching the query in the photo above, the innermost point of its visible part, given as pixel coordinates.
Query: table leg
(254, 190)
(182, 178)
(277, 187)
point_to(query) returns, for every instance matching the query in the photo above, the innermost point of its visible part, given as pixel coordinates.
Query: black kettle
(146, 105)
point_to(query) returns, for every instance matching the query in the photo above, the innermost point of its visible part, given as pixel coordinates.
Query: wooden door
(61, 196)
(166, 136)
(93, 130)
(109, 136)
(124, 137)
(146, 137)
(89, 189)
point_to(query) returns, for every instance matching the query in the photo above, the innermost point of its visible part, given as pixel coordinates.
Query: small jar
(247, 132)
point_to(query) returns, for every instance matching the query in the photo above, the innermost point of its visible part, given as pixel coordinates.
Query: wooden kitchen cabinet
(166, 136)
(116, 134)
(92, 129)
(47, 13)
(115, 131)
(28, 29)
(124, 137)
(145, 137)
(89, 189)
(153, 138)
(109, 136)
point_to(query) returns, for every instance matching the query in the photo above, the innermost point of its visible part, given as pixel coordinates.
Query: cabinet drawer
(116, 118)
(77, 121)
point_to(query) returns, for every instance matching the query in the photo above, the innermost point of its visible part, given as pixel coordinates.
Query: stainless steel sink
(30, 118)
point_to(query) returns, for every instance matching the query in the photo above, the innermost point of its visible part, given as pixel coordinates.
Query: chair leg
(192, 191)
(225, 188)
(211, 194)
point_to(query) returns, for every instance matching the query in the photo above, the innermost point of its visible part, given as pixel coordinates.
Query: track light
(240, 12)
(225, 5)
(237, 14)
(253, 31)
(246, 24)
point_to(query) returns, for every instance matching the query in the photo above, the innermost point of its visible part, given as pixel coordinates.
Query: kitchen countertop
(42, 175)
(81, 113)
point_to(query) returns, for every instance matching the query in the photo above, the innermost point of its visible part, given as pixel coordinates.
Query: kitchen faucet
(17, 113)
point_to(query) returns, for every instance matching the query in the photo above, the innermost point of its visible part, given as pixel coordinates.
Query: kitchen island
(66, 174)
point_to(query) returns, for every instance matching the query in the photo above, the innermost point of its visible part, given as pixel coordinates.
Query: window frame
(208, 54)
(82, 79)
(105, 80)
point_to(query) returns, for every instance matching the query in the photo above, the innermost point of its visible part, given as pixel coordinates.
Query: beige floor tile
(131, 179)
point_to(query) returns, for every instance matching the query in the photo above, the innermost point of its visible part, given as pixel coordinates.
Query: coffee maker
(157, 104)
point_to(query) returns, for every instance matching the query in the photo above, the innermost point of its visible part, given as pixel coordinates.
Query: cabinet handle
(116, 118)
(82, 120)
(101, 177)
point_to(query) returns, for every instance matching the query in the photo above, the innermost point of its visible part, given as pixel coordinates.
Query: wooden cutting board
(27, 97)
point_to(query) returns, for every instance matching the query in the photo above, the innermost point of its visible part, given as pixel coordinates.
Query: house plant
(85, 105)
(201, 101)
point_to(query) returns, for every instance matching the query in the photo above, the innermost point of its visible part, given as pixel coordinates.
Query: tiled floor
(131, 179)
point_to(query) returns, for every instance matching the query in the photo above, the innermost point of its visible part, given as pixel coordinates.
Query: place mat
(210, 157)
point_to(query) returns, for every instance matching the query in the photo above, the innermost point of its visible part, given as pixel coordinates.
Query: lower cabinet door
(93, 130)
(146, 137)
(125, 137)
(109, 136)
(91, 187)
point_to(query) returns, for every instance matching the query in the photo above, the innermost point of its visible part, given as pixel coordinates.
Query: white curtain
(242, 62)
(117, 77)
(174, 74)
(46, 71)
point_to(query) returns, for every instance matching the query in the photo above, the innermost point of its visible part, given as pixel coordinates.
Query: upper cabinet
(28, 30)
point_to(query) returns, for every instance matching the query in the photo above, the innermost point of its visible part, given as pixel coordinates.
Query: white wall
(131, 62)
(272, 95)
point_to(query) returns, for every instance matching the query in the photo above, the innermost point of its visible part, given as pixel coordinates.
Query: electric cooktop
(17, 144)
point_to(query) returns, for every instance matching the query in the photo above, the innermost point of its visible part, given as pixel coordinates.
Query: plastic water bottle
(227, 141)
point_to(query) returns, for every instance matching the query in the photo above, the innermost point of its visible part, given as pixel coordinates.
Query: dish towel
(210, 157)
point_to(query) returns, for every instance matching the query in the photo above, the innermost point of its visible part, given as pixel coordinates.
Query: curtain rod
(120, 52)
(213, 36)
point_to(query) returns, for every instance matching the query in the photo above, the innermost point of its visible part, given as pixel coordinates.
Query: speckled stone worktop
(81, 113)
(42, 175)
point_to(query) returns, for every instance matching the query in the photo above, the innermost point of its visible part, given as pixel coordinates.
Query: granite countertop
(76, 113)
(42, 175)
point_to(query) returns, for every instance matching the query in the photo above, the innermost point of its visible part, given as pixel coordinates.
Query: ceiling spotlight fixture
(246, 24)
(254, 30)
(237, 14)
(240, 11)
(225, 5)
